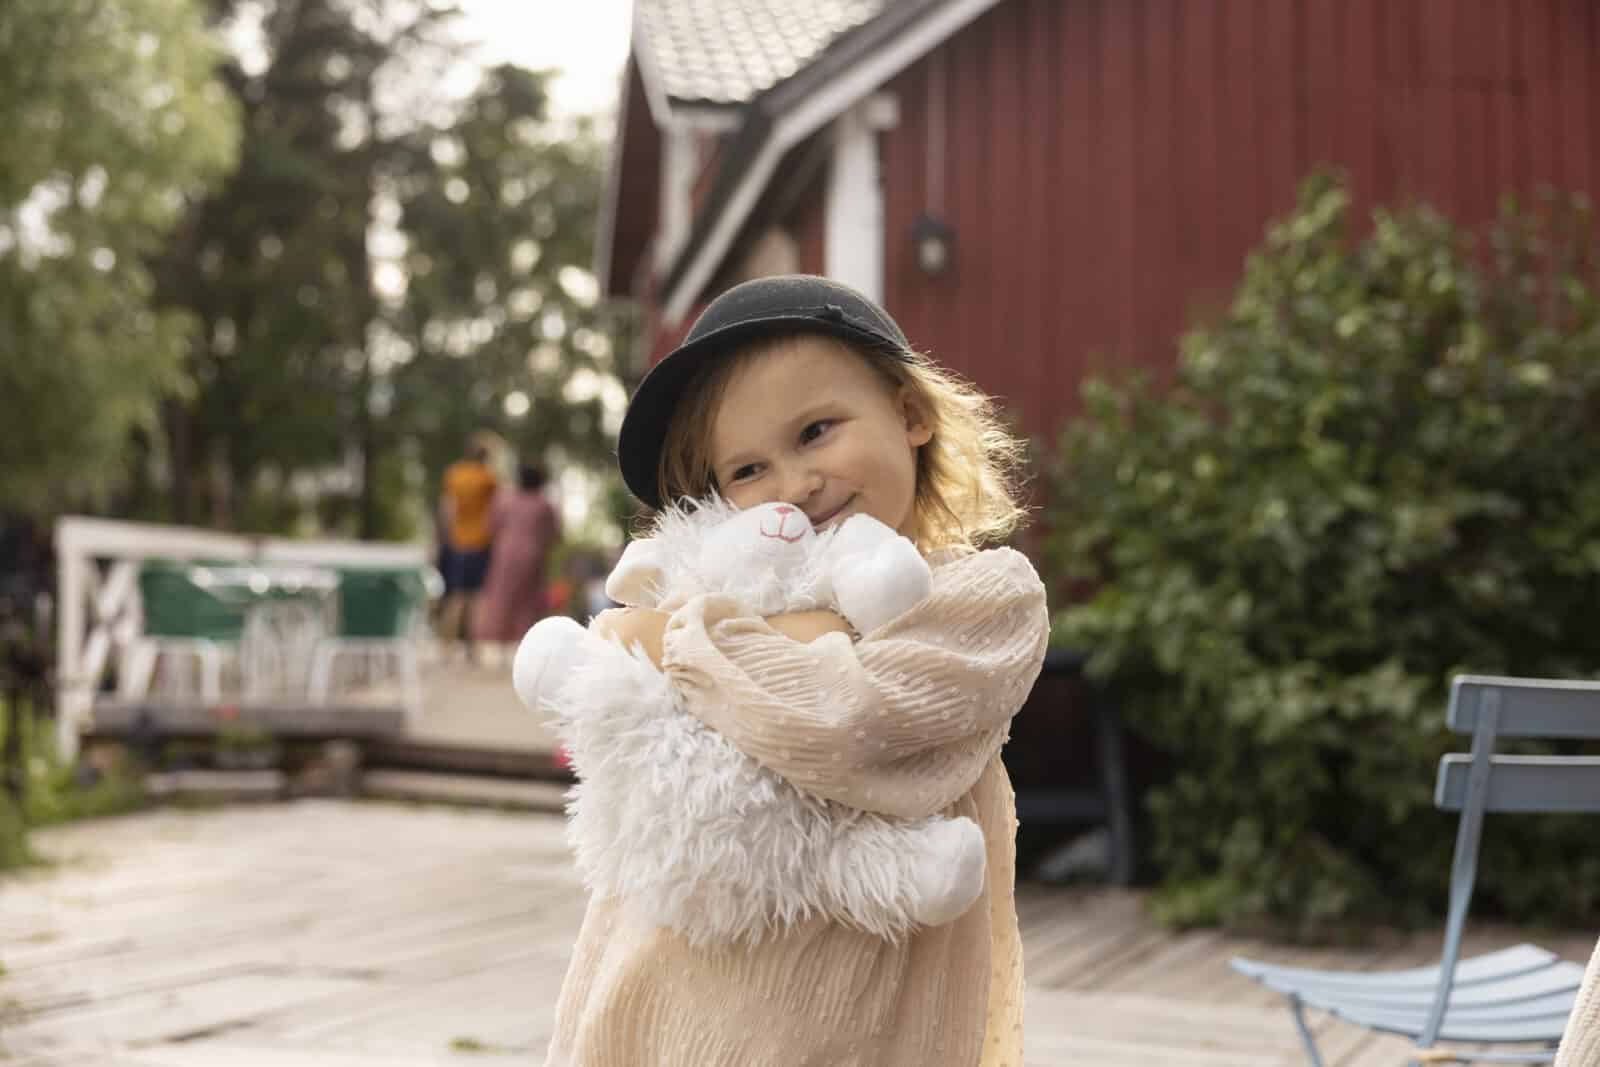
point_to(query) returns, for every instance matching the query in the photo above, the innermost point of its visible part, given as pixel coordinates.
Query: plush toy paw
(545, 659)
(637, 578)
(951, 875)
(876, 574)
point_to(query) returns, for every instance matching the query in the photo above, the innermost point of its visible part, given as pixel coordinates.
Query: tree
(114, 120)
(275, 265)
(380, 274)
(499, 327)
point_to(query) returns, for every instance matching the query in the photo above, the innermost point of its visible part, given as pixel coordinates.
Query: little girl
(801, 390)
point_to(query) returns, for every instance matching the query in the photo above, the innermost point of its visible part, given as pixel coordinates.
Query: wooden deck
(359, 934)
(473, 706)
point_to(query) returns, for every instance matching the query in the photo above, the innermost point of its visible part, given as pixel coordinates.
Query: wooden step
(416, 754)
(266, 784)
(519, 794)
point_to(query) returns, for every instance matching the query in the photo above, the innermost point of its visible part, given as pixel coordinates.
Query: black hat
(764, 307)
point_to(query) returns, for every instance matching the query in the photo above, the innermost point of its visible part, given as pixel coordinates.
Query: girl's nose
(799, 486)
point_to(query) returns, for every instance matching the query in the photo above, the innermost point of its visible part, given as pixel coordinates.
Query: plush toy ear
(636, 580)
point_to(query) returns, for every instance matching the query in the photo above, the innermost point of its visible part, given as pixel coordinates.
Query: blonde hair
(967, 482)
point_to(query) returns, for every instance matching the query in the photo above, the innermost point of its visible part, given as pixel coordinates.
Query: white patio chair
(180, 620)
(381, 617)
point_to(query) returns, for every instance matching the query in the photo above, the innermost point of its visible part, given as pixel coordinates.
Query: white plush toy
(669, 813)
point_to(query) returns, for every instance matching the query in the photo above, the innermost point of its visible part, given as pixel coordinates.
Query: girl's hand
(807, 626)
(631, 626)
(644, 627)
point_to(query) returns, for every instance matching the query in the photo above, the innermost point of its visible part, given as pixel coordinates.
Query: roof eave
(605, 231)
(791, 110)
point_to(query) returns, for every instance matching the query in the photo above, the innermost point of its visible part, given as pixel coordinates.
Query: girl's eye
(742, 473)
(816, 430)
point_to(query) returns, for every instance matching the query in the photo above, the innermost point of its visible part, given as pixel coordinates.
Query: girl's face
(811, 423)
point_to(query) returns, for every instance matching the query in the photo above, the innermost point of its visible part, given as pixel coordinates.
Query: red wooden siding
(1109, 163)
(807, 223)
(709, 147)
(636, 200)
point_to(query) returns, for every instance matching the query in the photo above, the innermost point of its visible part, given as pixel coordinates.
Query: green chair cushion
(379, 602)
(176, 606)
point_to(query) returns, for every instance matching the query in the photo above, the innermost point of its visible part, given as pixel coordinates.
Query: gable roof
(771, 73)
(722, 52)
(847, 69)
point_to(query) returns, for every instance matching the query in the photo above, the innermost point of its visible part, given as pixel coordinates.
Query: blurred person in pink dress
(526, 529)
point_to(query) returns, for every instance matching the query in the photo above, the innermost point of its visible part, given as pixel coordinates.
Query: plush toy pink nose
(783, 511)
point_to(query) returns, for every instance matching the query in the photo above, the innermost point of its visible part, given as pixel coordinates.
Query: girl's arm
(645, 628)
(902, 722)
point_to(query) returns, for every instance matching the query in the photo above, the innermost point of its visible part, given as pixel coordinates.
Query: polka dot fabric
(908, 721)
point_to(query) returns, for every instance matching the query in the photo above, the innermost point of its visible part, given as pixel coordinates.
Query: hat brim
(644, 427)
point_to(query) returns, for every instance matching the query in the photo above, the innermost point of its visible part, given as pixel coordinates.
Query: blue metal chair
(1517, 996)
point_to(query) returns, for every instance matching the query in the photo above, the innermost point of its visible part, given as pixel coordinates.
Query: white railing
(97, 615)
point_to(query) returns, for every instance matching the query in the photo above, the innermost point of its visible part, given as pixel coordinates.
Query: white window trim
(853, 230)
(680, 164)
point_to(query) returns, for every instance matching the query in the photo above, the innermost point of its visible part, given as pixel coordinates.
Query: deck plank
(354, 933)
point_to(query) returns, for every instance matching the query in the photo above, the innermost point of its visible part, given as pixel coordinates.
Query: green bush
(14, 851)
(1376, 470)
(56, 792)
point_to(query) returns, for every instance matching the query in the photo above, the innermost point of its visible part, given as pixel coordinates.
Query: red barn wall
(636, 201)
(807, 223)
(1109, 163)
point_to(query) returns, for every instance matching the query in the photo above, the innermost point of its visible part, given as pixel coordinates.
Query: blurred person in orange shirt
(465, 513)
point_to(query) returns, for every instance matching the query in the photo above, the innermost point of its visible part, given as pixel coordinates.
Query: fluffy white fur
(669, 813)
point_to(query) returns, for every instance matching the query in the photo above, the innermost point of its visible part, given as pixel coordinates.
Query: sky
(587, 40)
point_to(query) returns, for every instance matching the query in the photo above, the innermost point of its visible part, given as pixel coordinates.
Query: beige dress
(906, 722)
(1580, 1047)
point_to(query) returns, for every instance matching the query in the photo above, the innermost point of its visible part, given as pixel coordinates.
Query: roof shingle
(730, 51)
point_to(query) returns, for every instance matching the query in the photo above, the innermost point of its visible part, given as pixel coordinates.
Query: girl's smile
(828, 517)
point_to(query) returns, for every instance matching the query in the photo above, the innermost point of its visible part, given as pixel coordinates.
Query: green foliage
(14, 850)
(498, 209)
(275, 265)
(274, 290)
(386, 272)
(1376, 470)
(472, 1044)
(113, 118)
(55, 792)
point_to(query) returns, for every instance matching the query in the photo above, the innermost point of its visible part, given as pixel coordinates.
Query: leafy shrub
(1378, 469)
(56, 792)
(14, 851)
